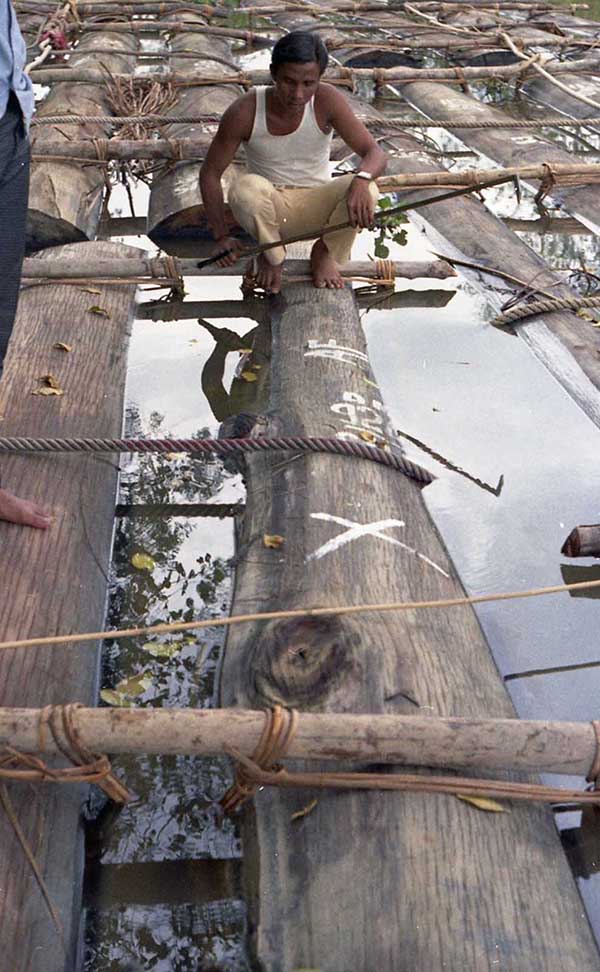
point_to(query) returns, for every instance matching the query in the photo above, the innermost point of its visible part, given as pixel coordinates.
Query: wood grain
(56, 580)
(370, 881)
(65, 198)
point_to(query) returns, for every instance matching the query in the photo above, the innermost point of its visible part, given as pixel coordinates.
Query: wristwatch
(363, 175)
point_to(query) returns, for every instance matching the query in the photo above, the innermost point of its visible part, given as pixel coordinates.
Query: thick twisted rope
(384, 123)
(225, 447)
(544, 306)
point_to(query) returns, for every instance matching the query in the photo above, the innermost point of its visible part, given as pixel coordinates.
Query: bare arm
(231, 132)
(373, 159)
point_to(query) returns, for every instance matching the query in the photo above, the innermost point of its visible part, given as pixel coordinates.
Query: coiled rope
(226, 447)
(544, 306)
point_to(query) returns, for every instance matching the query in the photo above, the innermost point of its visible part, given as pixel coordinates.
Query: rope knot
(278, 731)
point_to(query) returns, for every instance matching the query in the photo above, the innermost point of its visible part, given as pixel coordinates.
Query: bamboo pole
(338, 75)
(157, 267)
(486, 744)
(587, 171)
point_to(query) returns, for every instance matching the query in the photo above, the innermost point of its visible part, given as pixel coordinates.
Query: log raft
(56, 578)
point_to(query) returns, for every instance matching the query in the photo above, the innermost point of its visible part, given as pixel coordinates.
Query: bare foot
(325, 272)
(22, 512)
(268, 277)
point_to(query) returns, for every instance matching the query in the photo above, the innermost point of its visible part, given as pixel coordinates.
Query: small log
(155, 267)
(482, 744)
(583, 541)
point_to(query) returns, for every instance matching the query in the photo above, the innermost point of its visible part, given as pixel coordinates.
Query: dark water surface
(474, 394)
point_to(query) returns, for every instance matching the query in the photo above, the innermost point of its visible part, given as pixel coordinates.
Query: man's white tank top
(298, 159)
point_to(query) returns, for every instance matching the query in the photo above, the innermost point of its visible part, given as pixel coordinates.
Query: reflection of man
(286, 129)
(16, 108)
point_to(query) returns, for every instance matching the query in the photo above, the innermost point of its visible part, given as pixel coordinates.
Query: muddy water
(474, 394)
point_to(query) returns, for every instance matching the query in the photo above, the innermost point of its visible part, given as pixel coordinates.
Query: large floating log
(356, 905)
(156, 267)
(508, 148)
(65, 199)
(484, 744)
(175, 202)
(56, 577)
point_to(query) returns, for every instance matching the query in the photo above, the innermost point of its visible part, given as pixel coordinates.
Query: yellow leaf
(98, 310)
(305, 810)
(162, 649)
(248, 376)
(49, 380)
(484, 803)
(114, 698)
(143, 561)
(90, 290)
(245, 351)
(49, 386)
(273, 540)
(368, 437)
(134, 686)
(48, 391)
(61, 346)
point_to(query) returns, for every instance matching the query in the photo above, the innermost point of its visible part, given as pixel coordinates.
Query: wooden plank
(505, 147)
(65, 198)
(56, 580)
(371, 881)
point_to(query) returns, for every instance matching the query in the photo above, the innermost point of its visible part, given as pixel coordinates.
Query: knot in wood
(301, 661)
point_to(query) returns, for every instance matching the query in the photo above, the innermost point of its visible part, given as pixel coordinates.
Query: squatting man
(286, 129)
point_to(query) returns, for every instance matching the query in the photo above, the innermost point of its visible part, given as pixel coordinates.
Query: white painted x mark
(356, 530)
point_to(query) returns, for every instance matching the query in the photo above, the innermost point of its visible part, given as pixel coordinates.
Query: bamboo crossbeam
(177, 149)
(486, 744)
(334, 75)
(160, 268)
(582, 172)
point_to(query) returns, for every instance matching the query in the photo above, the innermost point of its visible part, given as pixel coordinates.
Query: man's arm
(373, 159)
(231, 132)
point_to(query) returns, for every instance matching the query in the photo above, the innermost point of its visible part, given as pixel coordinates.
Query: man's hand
(234, 247)
(361, 207)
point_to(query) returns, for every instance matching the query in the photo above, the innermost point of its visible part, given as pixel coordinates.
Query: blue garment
(12, 64)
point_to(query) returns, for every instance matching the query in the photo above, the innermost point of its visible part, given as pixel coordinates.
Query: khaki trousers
(271, 212)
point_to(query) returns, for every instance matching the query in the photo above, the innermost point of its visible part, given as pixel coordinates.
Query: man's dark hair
(299, 47)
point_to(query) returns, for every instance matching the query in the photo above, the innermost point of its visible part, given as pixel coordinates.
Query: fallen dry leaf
(49, 386)
(99, 311)
(90, 290)
(368, 437)
(248, 376)
(305, 810)
(273, 540)
(61, 346)
(484, 803)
